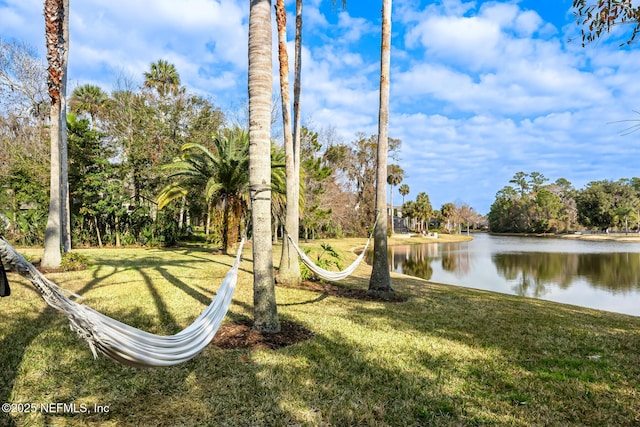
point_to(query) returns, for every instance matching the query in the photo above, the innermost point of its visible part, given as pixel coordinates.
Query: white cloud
(354, 28)
(527, 23)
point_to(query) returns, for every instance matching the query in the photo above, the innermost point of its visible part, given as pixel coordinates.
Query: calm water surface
(601, 275)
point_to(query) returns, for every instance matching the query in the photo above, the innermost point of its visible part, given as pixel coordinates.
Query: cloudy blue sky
(479, 90)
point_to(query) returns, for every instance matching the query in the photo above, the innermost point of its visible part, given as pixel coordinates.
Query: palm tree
(380, 281)
(409, 212)
(54, 34)
(265, 313)
(89, 99)
(163, 77)
(404, 191)
(394, 177)
(423, 210)
(289, 271)
(622, 214)
(448, 211)
(222, 175)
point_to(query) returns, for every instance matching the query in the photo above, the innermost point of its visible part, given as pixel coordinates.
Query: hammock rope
(119, 341)
(334, 276)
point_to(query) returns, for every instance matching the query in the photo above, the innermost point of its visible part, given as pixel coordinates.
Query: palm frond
(171, 192)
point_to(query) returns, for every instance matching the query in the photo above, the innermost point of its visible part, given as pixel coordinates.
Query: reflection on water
(602, 275)
(614, 272)
(416, 260)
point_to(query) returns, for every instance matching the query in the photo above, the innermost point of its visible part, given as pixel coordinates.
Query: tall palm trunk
(231, 224)
(65, 215)
(296, 123)
(260, 79)
(208, 220)
(116, 221)
(54, 17)
(380, 281)
(183, 202)
(289, 271)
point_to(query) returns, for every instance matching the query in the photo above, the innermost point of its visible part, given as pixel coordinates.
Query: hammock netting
(121, 342)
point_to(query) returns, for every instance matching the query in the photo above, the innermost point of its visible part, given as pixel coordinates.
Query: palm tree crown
(162, 77)
(404, 191)
(89, 99)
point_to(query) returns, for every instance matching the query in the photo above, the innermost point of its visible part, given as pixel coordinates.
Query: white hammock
(327, 274)
(121, 342)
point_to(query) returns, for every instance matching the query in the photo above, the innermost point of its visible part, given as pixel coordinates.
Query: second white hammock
(327, 274)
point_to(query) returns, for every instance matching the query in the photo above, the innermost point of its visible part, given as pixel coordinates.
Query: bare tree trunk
(275, 225)
(289, 271)
(64, 162)
(99, 237)
(380, 281)
(296, 128)
(183, 202)
(52, 256)
(296, 97)
(260, 79)
(54, 17)
(231, 223)
(207, 227)
(117, 227)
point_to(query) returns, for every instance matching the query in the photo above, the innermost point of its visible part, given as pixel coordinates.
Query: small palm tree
(423, 210)
(404, 191)
(162, 77)
(88, 99)
(394, 177)
(223, 176)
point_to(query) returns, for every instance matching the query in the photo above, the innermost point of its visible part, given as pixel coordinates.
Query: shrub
(332, 260)
(74, 261)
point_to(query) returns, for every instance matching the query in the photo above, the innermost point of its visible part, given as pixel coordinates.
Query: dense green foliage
(146, 166)
(532, 206)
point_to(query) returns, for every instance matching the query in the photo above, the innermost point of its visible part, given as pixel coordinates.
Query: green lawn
(448, 356)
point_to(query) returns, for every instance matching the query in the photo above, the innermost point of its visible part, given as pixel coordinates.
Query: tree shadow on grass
(23, 330)
(339, 383)
(342, 291)
(23, 326)
(533, 353)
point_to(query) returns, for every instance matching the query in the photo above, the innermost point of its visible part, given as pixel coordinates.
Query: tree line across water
(149, 161)
(533, 205)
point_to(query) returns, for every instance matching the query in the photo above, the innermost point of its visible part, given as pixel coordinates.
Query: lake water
(601, 275)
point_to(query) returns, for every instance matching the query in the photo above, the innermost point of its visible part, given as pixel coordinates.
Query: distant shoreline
(611, 237)
(617, 237)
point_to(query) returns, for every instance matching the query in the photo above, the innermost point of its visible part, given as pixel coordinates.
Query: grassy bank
(403, 239)
(448, 356)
